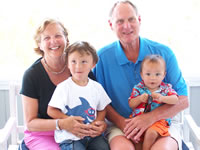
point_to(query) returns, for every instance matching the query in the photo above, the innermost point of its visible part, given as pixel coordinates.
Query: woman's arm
(33, 123)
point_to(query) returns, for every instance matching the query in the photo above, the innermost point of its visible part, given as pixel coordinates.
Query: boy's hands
(97, 128)
(75, 125)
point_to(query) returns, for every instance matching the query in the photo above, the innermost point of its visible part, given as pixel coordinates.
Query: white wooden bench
(190, 131)
(11, 129)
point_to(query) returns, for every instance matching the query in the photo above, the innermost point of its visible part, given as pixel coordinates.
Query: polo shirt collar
(142, 51)
(121, 57)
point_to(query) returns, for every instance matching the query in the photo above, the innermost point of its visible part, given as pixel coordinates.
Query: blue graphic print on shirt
(84, 110)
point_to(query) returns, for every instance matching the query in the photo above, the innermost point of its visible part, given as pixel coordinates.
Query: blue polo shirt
(118, 75)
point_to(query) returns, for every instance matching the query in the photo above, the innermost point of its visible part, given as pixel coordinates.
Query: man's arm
(137, 125)
(115, 117)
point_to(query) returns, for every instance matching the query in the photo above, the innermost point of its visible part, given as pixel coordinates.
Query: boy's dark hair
(82, 47)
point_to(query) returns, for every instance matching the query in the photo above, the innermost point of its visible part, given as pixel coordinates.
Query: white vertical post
(13, 110)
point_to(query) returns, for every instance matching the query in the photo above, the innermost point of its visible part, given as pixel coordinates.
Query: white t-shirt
(75, 100)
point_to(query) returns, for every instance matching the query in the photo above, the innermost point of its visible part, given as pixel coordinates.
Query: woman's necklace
(54, 72)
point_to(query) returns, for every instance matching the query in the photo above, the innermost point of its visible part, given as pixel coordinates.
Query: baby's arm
(134, 102)
(172, 99)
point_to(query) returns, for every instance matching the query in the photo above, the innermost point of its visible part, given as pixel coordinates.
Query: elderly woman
(38, 85)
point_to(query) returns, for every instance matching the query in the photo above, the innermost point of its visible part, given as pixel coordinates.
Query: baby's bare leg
(149, 138)
(138, 146)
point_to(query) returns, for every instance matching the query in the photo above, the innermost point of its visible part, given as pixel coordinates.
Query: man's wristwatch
(57, 126)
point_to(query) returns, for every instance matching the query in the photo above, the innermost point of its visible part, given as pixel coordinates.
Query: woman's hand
(97, 128)
(75, 125)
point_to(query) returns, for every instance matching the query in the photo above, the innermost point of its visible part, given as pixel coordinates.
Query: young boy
(149, 94)
(80, 96)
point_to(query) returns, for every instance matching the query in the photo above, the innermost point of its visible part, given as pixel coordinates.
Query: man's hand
(136, 126)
